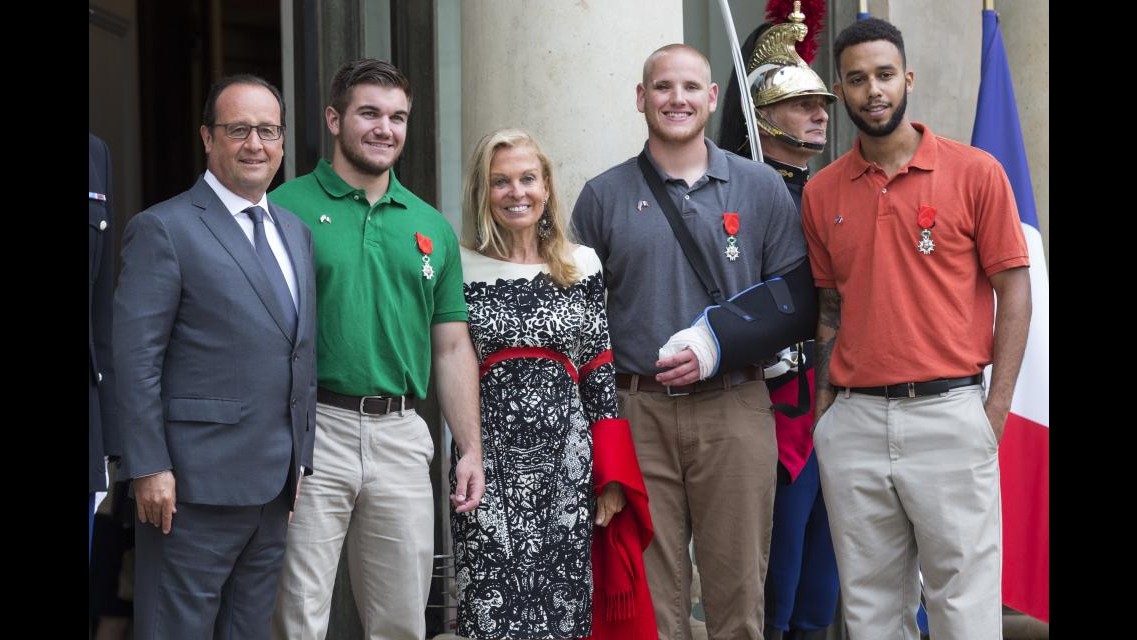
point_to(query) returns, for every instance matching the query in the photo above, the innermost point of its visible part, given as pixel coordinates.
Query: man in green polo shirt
(389, 290)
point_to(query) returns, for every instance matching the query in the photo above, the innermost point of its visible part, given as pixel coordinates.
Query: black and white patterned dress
(523, 560)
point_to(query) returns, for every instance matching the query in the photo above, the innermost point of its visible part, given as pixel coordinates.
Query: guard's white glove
(787, 361)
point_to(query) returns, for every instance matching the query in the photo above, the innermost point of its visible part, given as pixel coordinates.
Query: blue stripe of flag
(997, 130)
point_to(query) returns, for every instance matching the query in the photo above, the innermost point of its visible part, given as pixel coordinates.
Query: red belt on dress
(575, 373)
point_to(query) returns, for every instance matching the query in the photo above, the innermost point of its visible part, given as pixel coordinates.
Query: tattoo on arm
(830, 309)
(828, 323)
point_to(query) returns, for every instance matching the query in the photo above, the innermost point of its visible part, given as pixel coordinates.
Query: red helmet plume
(814, 10)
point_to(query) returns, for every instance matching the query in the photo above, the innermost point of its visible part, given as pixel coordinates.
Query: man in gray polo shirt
(706, 447)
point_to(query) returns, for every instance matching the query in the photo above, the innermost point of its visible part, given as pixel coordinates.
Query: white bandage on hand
(698, 339)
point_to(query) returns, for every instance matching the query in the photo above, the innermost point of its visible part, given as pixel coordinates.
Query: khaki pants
(371, 484)
(709, 461)
(913, 484)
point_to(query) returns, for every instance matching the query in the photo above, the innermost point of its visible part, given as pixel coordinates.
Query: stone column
(566, 71)
(1026, 35)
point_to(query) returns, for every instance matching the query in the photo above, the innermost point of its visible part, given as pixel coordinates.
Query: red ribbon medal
(926, 218)
(730, 224)
(426, 246)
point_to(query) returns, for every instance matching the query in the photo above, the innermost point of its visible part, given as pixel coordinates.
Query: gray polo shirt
(652, 289)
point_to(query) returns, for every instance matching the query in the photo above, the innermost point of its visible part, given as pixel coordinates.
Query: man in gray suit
(214, 334)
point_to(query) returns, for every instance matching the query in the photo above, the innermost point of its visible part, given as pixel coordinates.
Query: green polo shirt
(375, 304)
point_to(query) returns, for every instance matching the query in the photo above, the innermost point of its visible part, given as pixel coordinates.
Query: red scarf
(621, 602)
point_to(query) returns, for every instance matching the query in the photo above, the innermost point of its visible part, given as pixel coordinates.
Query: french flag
(1024, 454)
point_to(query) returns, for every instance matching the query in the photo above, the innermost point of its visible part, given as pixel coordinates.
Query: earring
(544, 226)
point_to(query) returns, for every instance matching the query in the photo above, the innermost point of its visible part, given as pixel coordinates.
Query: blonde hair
(480, 231)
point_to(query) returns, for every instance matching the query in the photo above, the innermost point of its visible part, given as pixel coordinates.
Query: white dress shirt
(236, 206)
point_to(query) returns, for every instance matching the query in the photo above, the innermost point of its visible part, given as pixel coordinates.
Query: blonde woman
(536, 316)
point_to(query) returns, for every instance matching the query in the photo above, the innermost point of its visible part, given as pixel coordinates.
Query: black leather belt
(370, 405)
(916, 389)
(714, 383)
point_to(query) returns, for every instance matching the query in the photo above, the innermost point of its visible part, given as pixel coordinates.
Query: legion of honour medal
(426, 246)
(730, 224)
(926, 218)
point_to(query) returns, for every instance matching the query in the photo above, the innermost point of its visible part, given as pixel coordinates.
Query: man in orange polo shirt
(909, 234)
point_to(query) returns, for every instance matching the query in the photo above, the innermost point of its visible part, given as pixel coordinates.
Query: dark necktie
(272, 268)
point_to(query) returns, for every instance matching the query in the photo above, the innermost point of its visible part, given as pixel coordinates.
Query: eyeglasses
(238, 131)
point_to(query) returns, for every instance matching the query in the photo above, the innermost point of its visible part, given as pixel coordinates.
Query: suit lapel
(221, 223)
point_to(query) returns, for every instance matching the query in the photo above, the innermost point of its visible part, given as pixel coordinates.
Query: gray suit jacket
(209, 384)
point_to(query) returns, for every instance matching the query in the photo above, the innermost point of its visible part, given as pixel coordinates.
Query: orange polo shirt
(907, 316)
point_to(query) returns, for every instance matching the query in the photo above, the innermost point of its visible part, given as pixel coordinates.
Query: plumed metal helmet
(776, 72)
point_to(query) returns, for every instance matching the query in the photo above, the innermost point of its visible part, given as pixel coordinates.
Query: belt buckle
(911, 389)
(667, 390)
(364, 399)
